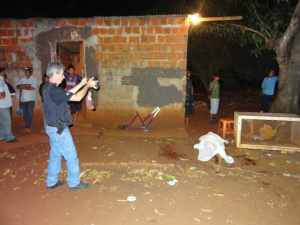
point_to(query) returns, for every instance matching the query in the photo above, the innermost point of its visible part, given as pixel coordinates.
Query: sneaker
(59, 183)
(212, 121)
(13, 140)
(20, 111)
(80, 186)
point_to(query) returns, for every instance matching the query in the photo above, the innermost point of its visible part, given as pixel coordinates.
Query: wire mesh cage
(269, 131)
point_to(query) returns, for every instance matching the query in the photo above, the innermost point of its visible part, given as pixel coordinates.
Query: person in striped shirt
(214, 90)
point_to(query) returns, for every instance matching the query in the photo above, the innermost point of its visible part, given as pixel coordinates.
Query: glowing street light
(195, 18)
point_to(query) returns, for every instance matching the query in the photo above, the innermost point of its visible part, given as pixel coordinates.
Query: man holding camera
(55, 106)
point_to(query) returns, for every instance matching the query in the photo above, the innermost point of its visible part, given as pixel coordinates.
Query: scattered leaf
(149, 219)
(6, 172)
(24, 179)
(282, 205)
(218, 195)
(170, 177)
(156, 211)
(96, 175)
(183, 159)
(197, 220)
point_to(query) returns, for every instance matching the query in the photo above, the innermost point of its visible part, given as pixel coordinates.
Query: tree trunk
(204, 81)
(288, 57)
(287, 100)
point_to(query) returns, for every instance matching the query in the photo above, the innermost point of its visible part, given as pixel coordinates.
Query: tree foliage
(263, 21)
(269, 25)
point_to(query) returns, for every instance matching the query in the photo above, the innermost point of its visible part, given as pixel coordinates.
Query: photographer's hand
(82, 92)
(79, 86)
(84, 81)
(92, 83)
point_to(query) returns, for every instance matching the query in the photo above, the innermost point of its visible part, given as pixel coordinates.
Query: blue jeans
(62, 145)
(5, 124)
(265, 103)
(28, 108)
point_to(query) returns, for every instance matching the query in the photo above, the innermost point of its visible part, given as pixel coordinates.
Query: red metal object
(145, 126)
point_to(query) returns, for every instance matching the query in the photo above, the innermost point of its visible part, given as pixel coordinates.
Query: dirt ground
(260, 187)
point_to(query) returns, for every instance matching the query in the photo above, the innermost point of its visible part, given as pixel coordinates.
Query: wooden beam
(223, 18)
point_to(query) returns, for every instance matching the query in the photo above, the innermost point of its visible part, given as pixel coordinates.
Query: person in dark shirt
(58, 119)
(11, 90)
(45, 79)
(10, 87)
(189, 99)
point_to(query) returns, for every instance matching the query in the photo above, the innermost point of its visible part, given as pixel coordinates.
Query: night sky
(80, 8)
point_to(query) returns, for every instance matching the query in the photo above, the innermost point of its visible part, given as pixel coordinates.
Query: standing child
(72, 80)
(214, 90)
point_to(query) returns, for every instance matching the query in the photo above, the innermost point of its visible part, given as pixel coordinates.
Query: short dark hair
(71, 67)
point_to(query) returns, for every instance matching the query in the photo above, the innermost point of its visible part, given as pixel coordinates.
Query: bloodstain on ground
(169, 153)
(246, 161)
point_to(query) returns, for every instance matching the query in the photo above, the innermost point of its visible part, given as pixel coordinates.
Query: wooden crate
(251, 120)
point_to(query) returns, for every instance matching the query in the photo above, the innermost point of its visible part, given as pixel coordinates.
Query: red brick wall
(71, 59)
(76, 63)
(141, 42)
(66, 58)
(14, 36)
(122, 42)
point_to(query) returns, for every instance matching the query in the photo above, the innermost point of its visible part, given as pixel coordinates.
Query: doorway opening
(72, 53)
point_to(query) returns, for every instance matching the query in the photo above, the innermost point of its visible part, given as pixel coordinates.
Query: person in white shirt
(28, 85)
(5, 117)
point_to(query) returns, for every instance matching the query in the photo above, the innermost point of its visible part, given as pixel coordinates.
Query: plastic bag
(210, 145)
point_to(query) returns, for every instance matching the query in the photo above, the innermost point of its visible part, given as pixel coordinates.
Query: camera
(97, 87)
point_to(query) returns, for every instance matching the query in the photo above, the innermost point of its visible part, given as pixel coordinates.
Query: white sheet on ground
(210, 145)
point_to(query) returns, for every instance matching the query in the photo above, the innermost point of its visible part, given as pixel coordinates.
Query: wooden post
(223, 18)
